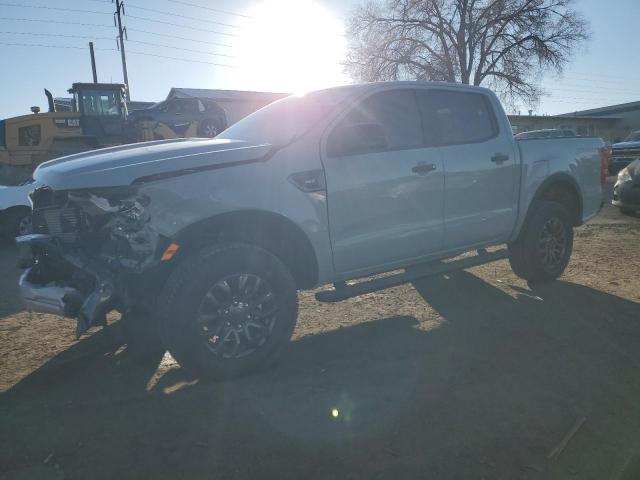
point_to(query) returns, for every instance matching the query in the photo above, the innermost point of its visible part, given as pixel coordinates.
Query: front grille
(625, 153)
(53, 215)
(63, 223)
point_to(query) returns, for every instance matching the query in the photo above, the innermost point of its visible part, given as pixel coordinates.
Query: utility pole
(93, 63)
(122, 32)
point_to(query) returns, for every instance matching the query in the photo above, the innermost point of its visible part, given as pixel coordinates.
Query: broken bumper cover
(43, 292)
(44, 298)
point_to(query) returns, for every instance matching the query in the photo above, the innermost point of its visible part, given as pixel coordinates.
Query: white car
(15, 209)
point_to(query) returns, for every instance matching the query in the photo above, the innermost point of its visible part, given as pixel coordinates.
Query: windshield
(280, 122)
(101, 102)
(633, 137)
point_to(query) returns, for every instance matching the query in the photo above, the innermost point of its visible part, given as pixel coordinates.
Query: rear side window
(452, 118)
(393, 113)
(187, 105)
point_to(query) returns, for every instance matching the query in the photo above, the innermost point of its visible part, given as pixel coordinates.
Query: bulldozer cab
(103, 110)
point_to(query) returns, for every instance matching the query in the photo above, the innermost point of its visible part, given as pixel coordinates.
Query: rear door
(385, 200)
(185, 111)
(481, 173)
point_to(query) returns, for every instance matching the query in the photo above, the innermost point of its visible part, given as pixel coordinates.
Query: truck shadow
(491, 390)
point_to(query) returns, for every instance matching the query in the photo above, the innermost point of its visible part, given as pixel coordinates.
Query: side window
(384, 121)
(186, 106)
(29, 136)
(452, 118)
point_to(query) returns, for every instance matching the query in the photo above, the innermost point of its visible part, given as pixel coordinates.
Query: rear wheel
(229, 310)
(209, 129)
(543, 249)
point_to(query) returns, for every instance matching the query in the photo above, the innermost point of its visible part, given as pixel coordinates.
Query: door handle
(423, 168)
(500, 158)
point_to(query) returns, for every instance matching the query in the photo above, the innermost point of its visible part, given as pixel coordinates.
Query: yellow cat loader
(97, 119)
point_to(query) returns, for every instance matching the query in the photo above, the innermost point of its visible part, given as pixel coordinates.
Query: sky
(269, 45)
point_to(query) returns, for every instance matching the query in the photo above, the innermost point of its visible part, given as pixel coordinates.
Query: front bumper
(64, 284)
(627, 195)
(44, 298)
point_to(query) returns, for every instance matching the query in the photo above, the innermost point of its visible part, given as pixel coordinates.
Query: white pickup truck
(210, 240)
(15, 209)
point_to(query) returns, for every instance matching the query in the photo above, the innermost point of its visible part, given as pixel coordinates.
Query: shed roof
(237, 95)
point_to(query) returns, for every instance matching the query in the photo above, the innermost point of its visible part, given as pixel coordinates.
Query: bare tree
(503, 44)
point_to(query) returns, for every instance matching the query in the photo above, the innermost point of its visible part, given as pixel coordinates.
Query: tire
(209, 129)
(229, 310)
(543, 248)
(20, 222)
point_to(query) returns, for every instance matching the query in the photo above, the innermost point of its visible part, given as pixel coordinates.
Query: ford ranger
(206, 242)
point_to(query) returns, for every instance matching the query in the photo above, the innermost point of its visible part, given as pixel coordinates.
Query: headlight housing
(624, 175)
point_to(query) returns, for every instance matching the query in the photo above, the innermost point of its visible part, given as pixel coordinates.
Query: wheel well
(8, 216)
(270, 231)
(565, 192)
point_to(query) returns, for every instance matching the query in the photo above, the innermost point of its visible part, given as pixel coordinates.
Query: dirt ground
(470, 376)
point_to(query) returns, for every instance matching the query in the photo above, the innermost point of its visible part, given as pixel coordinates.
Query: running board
(344, 291)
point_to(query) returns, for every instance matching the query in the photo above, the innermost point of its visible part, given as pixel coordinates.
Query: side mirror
(357, 138)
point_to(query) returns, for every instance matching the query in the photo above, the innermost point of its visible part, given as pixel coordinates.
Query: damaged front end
(88, 250)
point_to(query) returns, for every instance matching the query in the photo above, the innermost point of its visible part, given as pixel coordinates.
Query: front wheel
(543, 249)
(229, 310)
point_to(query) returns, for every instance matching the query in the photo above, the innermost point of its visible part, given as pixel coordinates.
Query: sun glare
(291, 46)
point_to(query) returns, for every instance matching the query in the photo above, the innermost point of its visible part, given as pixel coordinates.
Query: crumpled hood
(626, 145)
(119, 166)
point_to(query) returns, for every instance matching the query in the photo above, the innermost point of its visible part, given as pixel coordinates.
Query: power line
(183, 26)
(183, 49)
(576, 82)
(592, 75)
(55, 21)
(146, 54)
(154, 10)
(89, 37)
(599, 99)
(178, 37)
(43, 45)
(183, 59)
(43, 7)
(227, 12)
(570, 91)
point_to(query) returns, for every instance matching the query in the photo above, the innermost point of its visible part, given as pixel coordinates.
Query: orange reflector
(170, 252)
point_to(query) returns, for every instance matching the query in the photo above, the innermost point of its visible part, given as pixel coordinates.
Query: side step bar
(344, 291)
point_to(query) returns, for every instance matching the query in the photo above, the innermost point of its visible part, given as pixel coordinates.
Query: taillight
(605, 153)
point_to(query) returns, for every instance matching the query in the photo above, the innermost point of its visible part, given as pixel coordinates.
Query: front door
(481, 173)
(384, 185)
